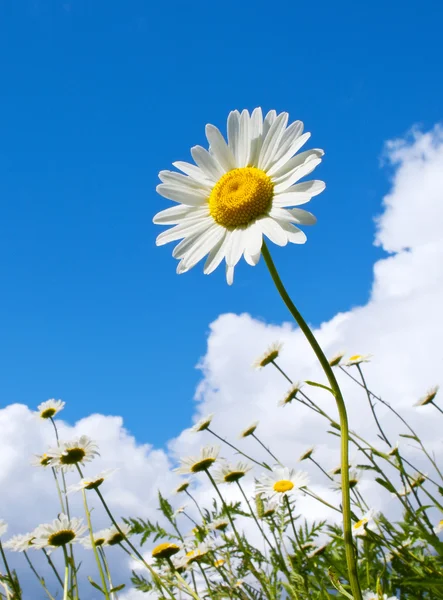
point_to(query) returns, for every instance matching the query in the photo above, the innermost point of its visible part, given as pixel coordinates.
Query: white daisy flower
(439, 527)
(270, 506)
(269, 356)
(239, 191)
(336, 359)
(76, 452)
(281, 482)
(90, 483)
(100, 538)
(20, 543)
(228, 473)
(202, 424)
(307, 454)
(165, 550)
(356, 359)
(368, 595)
(290, 395)
(60, 532)
(219, 524)
(366, 522)
(180, 510)
(196, 553)
(196, 464)
(50, 408)
(429, 397)
(114, 536)
(3, 527)
(41, 460)
(354, 478)
(249, 430)
(182, 487)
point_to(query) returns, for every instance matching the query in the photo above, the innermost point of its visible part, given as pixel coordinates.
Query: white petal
(229, 275)
(273, 231)
(302, 171)
(253, 239)
(269, 119)
(244, 144)
(294, 215)
(181, 212)
(207, 163)
(182, 230)
(252, 259)
(272, 140)
(179, 180)
(216, 255)
(294, 234)
(194, 172)
(235, 246)
(219, 147)
(202, 246)
(294, 147)
(313, 187)
(289, 167)
(234, 132)
(255, 135)
(182, 195)
(291, 198)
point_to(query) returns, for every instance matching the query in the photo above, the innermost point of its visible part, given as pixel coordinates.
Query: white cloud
(400, 325)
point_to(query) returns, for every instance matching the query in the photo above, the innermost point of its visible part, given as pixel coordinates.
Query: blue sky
(97, 97)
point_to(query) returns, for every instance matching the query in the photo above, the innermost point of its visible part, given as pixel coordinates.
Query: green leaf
(118, 588)
(320, 385)
(386, 484)
(336, 583)
(410, 437)
(92, 582)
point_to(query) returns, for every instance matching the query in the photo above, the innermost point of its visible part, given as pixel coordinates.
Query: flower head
(368, 595)
(115, 536)
(3, 527)
(366, 522)
(182, 487)
(100, 538)
(48, 409)
(354, 478)
(219, 524)
(336, 359)
(90, 483)
(307, 454)
(439, 527)
(269, 356)
(196, 464)
(41, 460)
(429, 397)
(249, 430)
(281, 482)
(290, 394)
(318, 551)
(20, 543)
(76, 452)
(165, 550)
(239, 191)
(356, 359)
(202, 424)
(229, 473)
(60, 532)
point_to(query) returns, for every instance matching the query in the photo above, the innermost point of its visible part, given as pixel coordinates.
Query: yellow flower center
(240, 196)
(165, 550)
(355, 357)
(360, 523)
(48, 413)
(72, 456)
(45, 460)
(202, 465)
(61, 538)
(233, 476)
(284, 485)
(94, 484)
(116, 539)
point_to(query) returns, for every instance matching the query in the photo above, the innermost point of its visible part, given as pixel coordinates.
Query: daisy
(69, 454)
(202, 424)
(165, 550)
(228, 473)
(309, 452)
(366, 522)
(239, 191)
(270, 506)
(180, 510)
(290, 395)
(41, 460)
(336, 359)
(99, 539)
(249, 430)
(60, 532)
(437, 529)
(182, 487)
(356, 359)
(90, 483)
(354, 478)
(281, 482)
(318, 551)
(219, 524)
(269, 356)
(20, 543)
(3, 527)
(114, 536)
(196, 464)
(368, 595)
(48, 409)
(198, 552)
(429, 397)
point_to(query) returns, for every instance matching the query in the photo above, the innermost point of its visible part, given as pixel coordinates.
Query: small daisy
(318, 551)
(249, 430)
(219, 563)
(430, 395)
(219, 524)
(76, 452)
(165, 550)
(90, 483)
(60, 532)
(20, 543)
(354, 478)
(240, 191)
(182, 487)
(282, 482)
(418, 480)
(200, 551)
(41, 460)
(356, 359)
(48, 409)
(229, 473)
(270, 506)
(439, 527)
(3, 527)
(269, 356)
(99, 539)
(196, 464)
(336, 359)
(394, 450)
(180, 510)
(368, 595)
(290, 395)
(202, 424)
(366, 522)
(309, 452)
(114, 536)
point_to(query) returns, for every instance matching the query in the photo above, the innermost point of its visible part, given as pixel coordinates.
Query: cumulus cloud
(400, 325)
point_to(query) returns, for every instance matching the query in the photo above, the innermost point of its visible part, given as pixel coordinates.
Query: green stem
(267, 449)
(51, 564)
(66, 584)
(40, 579)
(235, 448)
(11, 580)
(346, 500)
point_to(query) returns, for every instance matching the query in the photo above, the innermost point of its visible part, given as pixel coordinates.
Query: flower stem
(235, 448)
(267, 449)
(66, 584)
(346, 500)
(40, 579)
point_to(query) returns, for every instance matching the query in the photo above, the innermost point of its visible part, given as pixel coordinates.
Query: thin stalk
(107, 570)
(66, 583)
(182, 581)
(374, 414)
(40, 579)
(12, 581)
(253, 515)
(346, 499)
(51, 564)
(321, 468)
(235, 448)
(267, 449)
(195, 502)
